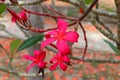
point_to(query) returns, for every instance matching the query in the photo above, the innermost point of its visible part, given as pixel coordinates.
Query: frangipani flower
(62, 37)
(37, 59)
(61, 60)
(21, 16)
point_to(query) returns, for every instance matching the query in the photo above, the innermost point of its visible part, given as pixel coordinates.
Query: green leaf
(14, 45)
(114, 48)
(2, 7)
(30, 42)
(88, 1)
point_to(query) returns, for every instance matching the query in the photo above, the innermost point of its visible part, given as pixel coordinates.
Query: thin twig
(105, 26)
(27, 4)
(97, 60)
(88, 10)
(48, 15)
(95, 11)
(85, 38)
(51, 9)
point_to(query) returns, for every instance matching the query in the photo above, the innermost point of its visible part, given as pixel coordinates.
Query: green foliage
(107, 8)
(88, 1)
(2, 7)
(14, 45)
(114, 48)
(30, 42)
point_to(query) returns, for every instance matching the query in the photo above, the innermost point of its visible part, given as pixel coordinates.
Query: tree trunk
(117, 2)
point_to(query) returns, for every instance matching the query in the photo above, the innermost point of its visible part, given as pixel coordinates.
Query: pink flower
(15, 17)
(37, 59)
(62, 37)
(61, 60)
(21, 16)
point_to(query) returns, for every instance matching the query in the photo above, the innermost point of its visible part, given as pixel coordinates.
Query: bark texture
(117, 3)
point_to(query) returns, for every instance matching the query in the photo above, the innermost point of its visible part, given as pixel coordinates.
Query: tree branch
(97, 60)
(27, 4)
(96, 11)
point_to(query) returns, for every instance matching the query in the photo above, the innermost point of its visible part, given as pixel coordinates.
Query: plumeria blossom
(37, 59)
(59, 60)
(61, 37)
(21, 16)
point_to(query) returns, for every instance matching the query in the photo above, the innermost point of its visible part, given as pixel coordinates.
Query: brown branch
(105, 26)
(97, 60)
(88, 10)
(109, 36)
(26, 4)
(51, 9)
(48, 15)
(85, 38)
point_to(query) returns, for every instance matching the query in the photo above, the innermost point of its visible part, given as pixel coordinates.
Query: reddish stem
(51, 9)
(48, 15)
(85, 38)
(88, 10)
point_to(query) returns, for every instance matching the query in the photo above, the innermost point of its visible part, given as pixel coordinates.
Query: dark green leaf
(30, 42)
(14, 45)
(88, 1)
(114, 48)
(2, 7)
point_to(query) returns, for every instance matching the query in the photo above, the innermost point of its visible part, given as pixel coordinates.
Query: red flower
(21, 16)
(14, 15)
(61, 60)
(37, 59)
(62, 37)
(81, 10)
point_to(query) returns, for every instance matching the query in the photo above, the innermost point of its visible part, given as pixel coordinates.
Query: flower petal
(42, 55)
(30, 66)
(71, 36)
(28, 57)
(63, 47)
(23, 15)
(42, 64)
(47, 42)
(63, 66)
(13, 19)
(53, 59)
(36, 52)
(53, 67)
(53, 32)
(62, 25)
(66, 58)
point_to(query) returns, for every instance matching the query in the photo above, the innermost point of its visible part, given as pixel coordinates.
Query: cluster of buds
(60, 36)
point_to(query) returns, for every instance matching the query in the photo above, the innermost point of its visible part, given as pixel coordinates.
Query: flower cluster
(61, 37)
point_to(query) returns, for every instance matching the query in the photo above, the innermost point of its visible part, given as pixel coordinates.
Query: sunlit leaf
(30, 42)
(14, 45)
(2, 7)
(114, 48)
(88, 1)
